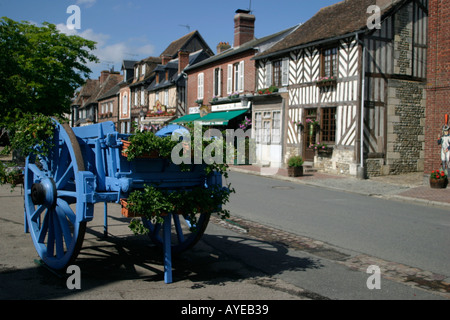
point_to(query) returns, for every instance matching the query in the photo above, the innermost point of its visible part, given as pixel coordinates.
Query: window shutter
(200, 86)
(229, 79)
(285, 72)
(241, 76)
(219, 86)
(214, 82)
(268, 74)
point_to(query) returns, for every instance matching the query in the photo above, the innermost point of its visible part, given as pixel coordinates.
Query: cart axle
(44, 193)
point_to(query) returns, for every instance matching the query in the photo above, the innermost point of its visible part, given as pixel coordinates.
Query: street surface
(284, 241)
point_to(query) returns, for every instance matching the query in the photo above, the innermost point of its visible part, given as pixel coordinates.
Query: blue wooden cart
(85, 167)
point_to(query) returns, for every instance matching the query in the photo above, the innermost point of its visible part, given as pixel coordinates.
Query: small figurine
(444, 142)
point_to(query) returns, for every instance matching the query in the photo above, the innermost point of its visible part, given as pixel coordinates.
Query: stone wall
(341, 161)
(405, 127)
(406, 101)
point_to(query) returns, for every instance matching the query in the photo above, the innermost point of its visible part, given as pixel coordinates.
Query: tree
(40, 69)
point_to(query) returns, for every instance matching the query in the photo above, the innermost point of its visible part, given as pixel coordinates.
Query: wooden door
(309, 134)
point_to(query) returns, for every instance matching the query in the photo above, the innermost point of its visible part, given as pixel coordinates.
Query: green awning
(187, 118)
(220, 118)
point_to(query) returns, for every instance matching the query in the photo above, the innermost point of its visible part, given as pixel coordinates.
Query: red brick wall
(208, 70)
(438, 79)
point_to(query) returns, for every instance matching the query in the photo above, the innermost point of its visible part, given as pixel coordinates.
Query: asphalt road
(411, 234)
(228, 263)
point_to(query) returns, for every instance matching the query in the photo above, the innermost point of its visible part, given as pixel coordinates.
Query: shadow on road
(215, 260)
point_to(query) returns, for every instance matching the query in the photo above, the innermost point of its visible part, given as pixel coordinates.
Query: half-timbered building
(355, 101)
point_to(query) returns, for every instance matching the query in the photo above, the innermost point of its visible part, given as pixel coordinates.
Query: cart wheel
(182, 238)
(51, 200)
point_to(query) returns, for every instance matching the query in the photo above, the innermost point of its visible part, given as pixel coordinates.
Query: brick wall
(438, 79)
(208, 71)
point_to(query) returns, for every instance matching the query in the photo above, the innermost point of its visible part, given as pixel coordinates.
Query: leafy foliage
(153, 203)
(40, 69)
(31, 134)
(295, 161)
(144, 143)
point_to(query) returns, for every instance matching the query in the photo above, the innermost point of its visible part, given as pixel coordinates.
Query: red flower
(442, 174)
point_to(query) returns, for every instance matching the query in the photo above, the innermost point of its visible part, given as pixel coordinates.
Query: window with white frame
(124, 104)
(268, 127)
(135, 102)
(258, 127)
(142, 96)
(276, 127)
(235, 77)
(200, 86)
(217, 82)
(166, 97)
(277, 73)
(143, 69)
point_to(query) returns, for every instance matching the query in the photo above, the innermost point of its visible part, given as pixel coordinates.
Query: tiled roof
(339, 19)
(88, 89)
(250, 45)
(97, 90)
(181, 43)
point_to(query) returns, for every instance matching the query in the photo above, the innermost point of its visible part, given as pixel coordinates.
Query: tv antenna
(108, 64)
(186, 26)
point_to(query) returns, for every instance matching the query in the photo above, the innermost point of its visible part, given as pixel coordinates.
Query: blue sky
(136, 29)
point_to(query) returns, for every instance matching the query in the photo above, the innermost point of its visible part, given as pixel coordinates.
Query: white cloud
(88, 3)
(110, 53)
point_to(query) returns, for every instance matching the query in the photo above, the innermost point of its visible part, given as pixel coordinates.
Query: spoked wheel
(182, 237)
(52, 205)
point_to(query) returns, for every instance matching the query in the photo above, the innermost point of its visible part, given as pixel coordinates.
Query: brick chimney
(183, 60)
(223, 46)
(244, 27)
(103, 76)
(165, 59)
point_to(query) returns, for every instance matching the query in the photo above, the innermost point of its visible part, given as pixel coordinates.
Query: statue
(444, 142)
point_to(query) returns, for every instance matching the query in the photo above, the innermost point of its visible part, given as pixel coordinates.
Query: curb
(384, 196)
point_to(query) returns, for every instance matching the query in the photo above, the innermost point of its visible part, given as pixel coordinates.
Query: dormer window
(136, 72)
(143, 69)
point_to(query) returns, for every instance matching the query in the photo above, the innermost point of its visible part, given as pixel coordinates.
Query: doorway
(309, 134)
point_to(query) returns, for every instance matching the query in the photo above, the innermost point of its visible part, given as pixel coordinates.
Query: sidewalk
(407, 187)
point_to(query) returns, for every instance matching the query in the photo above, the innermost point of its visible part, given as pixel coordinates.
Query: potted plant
(147, 145)
(322, 149)
(295, 166)
(438, 179)
(154, 203)
(299, 125)
(325, 81)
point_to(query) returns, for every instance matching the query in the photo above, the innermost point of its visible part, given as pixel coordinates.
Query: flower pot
(438, 183)
(127, 213)
(16, 179)
(326, 83)
(324, 152)
(295, 171)
(154, 154)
